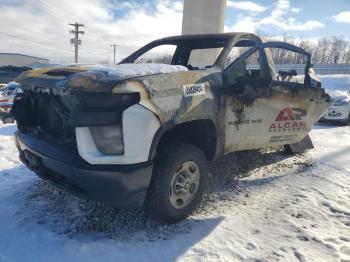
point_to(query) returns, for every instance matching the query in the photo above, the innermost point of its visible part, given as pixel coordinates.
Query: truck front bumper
(122, 186)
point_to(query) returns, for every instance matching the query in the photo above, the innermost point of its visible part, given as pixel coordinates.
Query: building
(203, 17)
(10, 59)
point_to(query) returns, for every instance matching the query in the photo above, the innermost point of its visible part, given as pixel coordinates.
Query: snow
(336, 82)
(337, 86)
(284, 208)
(130, 70)
(338, 94)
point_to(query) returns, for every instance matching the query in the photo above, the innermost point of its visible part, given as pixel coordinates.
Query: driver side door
(264, 110)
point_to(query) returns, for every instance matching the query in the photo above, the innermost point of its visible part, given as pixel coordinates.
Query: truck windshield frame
(185, 44)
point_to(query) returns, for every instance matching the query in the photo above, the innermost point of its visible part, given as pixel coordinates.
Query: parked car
(136, 134)
(338, 87)
(7, 94)
(9, 91)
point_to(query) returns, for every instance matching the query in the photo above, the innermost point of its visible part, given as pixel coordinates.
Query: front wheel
(179, 180)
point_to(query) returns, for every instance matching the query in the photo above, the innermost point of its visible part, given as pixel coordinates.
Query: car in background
(7, 94)
(10, 90)
(338, 87)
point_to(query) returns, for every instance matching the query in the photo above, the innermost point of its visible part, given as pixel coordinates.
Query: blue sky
(322, 11)
(40, 27)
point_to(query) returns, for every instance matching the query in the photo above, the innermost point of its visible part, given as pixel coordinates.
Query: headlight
(108, 139)
(342, 102)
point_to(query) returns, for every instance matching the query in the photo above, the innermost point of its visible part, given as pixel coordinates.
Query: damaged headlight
(108, 139)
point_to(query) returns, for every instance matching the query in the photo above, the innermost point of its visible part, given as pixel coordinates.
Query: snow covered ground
(286, 208)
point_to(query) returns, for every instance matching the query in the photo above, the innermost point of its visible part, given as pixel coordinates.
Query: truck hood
(64, 79)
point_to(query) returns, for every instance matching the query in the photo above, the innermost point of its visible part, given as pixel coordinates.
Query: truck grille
(46, 117)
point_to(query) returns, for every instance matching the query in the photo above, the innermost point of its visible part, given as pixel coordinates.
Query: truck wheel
(179, 179)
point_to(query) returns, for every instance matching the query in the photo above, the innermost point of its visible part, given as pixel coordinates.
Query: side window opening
(253, 64)
(203, 58)
(238, 50)
(286, 65)
(246, 70)
(235, 53)
(162, 54)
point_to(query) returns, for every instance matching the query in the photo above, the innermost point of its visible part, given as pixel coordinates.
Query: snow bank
(286, 208)
(130, 70)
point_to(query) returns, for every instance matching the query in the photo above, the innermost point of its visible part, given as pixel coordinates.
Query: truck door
(265, 108)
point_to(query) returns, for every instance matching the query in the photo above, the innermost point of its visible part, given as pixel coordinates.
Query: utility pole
(76, 41)
(114, 47)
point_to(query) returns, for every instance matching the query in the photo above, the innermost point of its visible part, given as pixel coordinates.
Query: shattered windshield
(193, 52)
(162, 54)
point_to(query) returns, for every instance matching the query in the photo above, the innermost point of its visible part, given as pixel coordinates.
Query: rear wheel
(179, 179)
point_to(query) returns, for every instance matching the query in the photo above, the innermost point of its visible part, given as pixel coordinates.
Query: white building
(10, 59)
(203, 17)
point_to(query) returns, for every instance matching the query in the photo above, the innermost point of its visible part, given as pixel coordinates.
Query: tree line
(327, 50)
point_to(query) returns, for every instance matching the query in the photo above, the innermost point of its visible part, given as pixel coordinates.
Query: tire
(179, 180)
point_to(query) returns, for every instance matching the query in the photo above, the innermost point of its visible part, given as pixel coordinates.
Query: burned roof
(200, 41)
(205, 40)
(224, 36)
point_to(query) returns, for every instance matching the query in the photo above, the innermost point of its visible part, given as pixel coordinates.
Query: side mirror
(233, 77)
(292, 72)
(232, 87)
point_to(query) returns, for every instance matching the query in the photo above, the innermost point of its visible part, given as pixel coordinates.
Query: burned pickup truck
(141, 134)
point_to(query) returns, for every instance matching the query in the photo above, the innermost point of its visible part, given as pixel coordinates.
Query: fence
(320, 69)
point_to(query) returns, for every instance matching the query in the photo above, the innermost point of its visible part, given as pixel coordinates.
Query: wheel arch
(201, 133)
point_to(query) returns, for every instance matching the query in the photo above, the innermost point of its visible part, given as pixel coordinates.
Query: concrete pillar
(203, 17)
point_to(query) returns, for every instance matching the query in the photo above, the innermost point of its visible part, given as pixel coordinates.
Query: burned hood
(89, 78)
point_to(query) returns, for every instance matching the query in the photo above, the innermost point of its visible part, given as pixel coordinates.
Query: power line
(49, 45)
(34, 42)
(46, 8)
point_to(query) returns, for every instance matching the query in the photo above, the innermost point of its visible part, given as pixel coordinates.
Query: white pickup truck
(135, 134)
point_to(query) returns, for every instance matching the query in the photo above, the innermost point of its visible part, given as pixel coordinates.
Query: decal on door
(289, 119)
(290, 114)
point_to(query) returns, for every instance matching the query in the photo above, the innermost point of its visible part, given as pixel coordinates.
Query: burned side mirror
(233, 76)
(288, 73)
